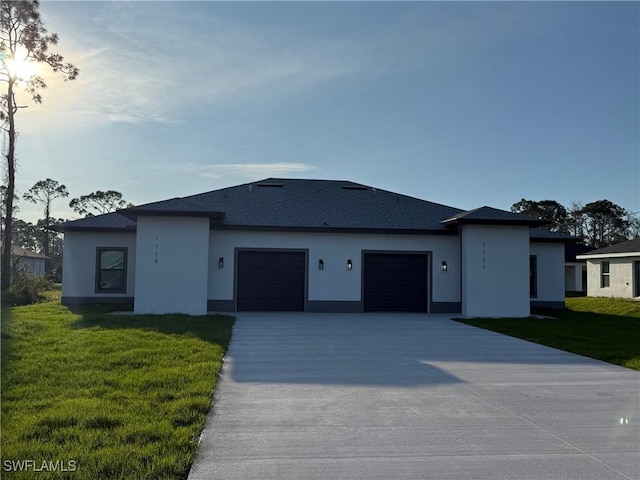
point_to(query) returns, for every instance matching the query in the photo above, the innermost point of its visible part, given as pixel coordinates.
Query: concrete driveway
(386, 396)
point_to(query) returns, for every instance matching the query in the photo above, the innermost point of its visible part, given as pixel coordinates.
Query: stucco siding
(335, 282)
(172, 265)
(79, 262)
(495, 271)
(550, 274)
(621, 277)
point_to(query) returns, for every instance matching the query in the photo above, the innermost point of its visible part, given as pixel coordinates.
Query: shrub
(26, 288)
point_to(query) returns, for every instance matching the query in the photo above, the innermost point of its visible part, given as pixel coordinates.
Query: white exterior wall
(79, 262)
(621, 281)
(573, 276)
(172, 265)
(495, 271)
(550, 262)
(335, 282)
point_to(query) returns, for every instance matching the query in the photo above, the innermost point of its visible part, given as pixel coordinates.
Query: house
(28, 261)
(614, 271)
(314, 246)
(575, 271)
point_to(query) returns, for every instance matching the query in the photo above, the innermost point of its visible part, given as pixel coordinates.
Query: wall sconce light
(221, 262)
(444, 266)
(349, 265)
(320, 264)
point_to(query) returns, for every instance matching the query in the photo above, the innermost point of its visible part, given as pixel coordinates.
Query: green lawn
(604, 328)
(121, 397)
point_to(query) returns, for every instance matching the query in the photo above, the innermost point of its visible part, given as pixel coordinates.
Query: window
(111, 270)
(604, 274)
(533, 276)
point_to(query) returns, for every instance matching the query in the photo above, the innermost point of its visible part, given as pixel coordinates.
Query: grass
(120, 396)
(604, 328)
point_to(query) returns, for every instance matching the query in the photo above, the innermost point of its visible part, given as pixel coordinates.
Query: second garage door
(395, 282)
(271, 280)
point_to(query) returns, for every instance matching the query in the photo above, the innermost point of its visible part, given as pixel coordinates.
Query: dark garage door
(271, 281)
(395, 282)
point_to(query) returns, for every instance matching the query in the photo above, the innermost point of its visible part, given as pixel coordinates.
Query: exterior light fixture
(320, 264)
(349, 264)
(444, 266)
(221, 262)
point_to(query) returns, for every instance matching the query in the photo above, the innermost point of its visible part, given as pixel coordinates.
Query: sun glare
(20, 67)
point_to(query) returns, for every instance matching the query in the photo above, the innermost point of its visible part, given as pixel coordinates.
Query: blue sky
(466, 104)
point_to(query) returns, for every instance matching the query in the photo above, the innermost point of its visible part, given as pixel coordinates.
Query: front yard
(106, 397)
(604, 328)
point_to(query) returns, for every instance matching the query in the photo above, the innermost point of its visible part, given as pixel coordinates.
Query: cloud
(138, 64)
(151, 62)
(245, 170)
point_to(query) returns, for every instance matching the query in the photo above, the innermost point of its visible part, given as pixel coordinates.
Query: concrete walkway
(385, 396)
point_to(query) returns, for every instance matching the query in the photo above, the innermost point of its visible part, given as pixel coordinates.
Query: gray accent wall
(125, 302)
(446, 307)
(547, 304)
(334, 306)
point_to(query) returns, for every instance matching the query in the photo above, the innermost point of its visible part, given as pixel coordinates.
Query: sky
(460, 103)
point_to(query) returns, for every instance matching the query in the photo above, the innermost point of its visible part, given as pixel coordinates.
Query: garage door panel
(271, 280)
(395, 282)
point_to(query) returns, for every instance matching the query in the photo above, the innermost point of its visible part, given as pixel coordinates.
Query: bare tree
(577, 220)
(23, 38)
(44, 192)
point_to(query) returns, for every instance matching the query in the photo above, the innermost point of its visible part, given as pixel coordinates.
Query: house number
(484, 259)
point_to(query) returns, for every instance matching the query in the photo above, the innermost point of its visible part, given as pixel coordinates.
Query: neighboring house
(575, 271)
(28, 261)
(614, 271)
(314, 246)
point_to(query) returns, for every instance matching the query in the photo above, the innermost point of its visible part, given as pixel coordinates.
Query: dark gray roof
(318, 205)
(571, 249)
(543, 234)
(101, 223)
(629, 246)
(174, 206)
(23, 252)
(490, 215)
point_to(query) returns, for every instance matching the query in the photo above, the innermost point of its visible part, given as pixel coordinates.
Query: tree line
(39, 237)
(598, 224)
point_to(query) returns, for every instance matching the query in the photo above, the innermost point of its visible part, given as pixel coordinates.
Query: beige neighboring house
(28, 260)
(614, 271)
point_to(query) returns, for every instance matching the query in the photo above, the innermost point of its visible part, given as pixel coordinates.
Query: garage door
(271, 281)
(395, 282)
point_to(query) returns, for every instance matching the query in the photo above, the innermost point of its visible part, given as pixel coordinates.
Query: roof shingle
(308, 204)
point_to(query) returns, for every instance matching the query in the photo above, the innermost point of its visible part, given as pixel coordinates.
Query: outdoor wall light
(444, 266)
(349, 265)
(320, 264)
(221, 262)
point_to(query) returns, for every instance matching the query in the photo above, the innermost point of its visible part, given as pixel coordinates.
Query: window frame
(605, 275)
(99, 270)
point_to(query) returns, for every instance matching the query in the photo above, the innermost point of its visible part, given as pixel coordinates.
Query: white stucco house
(575, 270)
(614, 271)
(313, 246)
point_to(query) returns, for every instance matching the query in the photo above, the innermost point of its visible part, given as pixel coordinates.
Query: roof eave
(454, 222)
(60, 229)
(329, 229)
(134, 213)
(595, 256)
